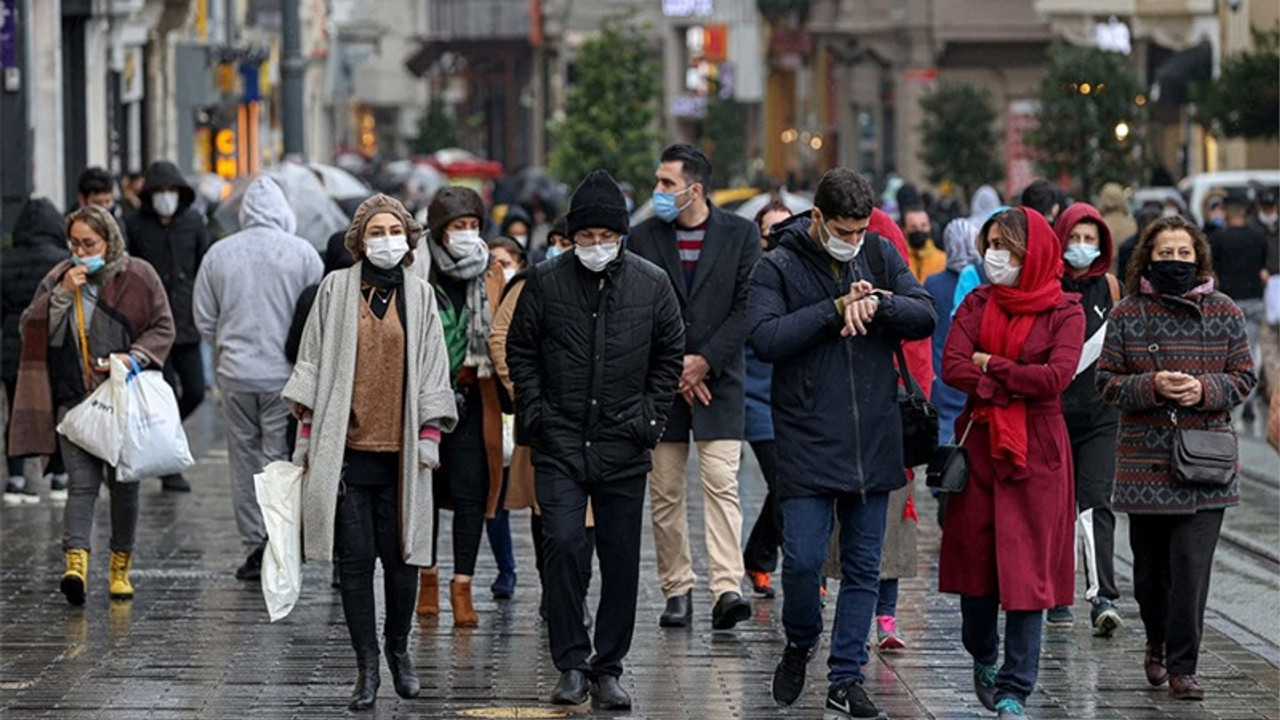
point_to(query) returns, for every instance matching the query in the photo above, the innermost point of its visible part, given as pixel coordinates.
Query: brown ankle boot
(464, 614)
(429, 592)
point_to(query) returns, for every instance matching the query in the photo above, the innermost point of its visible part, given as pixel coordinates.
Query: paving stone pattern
(196, 643)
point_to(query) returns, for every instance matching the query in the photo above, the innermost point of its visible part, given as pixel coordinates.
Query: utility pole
(294, 74)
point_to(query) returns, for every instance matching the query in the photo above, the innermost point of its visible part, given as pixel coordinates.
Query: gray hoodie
(247, 289)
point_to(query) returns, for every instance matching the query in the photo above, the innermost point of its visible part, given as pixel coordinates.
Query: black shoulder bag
(919, 417)
(1200, 457)
(949, 469)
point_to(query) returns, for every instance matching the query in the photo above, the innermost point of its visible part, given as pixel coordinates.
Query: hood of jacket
(40, 223)
(165, 174)
(1111, 199)
(960, 240)
(1071, 217)
(515, 213)
(264, 205)
(985, 201)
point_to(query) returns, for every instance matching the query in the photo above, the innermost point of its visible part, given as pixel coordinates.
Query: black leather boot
(403, 674)
(365, 693)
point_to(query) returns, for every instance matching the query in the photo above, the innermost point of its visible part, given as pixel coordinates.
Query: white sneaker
(58, 487)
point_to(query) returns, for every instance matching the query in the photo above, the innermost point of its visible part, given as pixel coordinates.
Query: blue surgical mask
(554, 252)
(664, 204)
(94, 263)
(1080, 255)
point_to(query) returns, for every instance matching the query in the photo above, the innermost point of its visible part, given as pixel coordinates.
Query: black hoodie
(175, 250)
(39, 243)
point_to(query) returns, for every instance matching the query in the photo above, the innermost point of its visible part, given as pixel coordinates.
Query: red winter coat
(1012, 530)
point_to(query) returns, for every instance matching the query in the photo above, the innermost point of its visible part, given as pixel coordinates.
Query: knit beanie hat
(450, 203)
(598, 203)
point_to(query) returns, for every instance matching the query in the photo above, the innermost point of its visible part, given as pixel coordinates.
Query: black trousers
(619, 513)
(765, 541)
(463, 483)
(366, 529)
(1172, 560)
(185, 372)
(1094, 456)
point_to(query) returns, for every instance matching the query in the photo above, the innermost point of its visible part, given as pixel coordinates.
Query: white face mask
(465, 243)
(165, 203)
(508, 274)
(837, 248)
(521, 240)
(999, 271)
(1268, 218)
(386, 252)
(597, 257)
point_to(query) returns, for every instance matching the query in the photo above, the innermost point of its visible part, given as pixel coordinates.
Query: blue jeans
(887, 602)
(980, 617)
(806, 530)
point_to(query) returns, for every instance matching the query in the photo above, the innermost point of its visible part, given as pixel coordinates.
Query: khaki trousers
(722, 515)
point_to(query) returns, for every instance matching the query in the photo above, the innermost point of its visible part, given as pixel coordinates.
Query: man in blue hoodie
(827, 308)
(245, 296)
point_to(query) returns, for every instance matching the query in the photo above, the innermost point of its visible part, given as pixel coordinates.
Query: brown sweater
(377, 400)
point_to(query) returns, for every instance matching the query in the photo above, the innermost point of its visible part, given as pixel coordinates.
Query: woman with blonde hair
(98, 303)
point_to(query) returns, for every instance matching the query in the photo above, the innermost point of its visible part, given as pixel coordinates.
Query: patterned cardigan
(1201, 334)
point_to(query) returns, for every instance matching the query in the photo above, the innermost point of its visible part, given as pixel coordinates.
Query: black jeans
(1172, 560)
(366, 529)
(980, 616)
(1095, 463)
(765, 541)
(463, 482)
(619, 513)
(185, 372)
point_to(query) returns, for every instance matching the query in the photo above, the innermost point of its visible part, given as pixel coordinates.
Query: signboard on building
(1021, 117)
(8, 34)
(686, 8)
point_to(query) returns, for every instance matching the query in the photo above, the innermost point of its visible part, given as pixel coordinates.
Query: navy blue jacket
(948, 401)
(835, 408)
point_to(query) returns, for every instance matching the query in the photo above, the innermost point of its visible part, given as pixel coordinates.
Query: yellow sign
(225, 142)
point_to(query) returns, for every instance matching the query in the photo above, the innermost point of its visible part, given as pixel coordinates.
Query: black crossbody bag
(919, 417)
(1200, 457)
(949, 468)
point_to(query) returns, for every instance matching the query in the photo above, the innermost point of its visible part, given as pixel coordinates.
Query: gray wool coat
(323, 381)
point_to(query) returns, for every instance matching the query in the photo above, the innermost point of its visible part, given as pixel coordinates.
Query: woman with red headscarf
(1008, 539)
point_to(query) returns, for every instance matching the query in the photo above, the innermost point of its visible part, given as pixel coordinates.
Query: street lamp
(1122, 131)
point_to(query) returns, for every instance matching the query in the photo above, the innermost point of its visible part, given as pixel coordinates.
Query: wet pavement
(196, 643)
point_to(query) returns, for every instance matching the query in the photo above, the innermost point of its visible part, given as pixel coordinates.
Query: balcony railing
(477, 19)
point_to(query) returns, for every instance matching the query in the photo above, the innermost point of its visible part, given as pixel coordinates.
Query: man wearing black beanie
(595, 352)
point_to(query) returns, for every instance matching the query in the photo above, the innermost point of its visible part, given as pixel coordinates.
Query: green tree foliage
(611, 109)
(723, 138)
(436, 129)
(959, 137)
(1245, 99)
(1085, 95)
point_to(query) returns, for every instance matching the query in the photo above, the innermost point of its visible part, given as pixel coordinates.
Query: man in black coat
(829, 321)
(708, 255)
(169, 233)
(39, 243)
(595, 352)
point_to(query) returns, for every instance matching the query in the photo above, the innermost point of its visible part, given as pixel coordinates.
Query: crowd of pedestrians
(1085, 359)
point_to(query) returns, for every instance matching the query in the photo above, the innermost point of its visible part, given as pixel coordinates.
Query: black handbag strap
(879, 276)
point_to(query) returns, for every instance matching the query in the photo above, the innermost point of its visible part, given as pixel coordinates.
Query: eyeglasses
(86, 246)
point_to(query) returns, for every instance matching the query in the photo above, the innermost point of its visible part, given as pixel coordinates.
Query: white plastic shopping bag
(95, 424)
(153, 443)
(279, 488)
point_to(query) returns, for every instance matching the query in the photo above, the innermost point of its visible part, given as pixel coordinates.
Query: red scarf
(1007, 321)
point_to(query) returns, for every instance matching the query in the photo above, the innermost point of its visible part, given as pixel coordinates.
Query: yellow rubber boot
(75, 581)
(119, 575)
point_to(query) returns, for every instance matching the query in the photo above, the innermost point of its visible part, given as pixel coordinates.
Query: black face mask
(917, 239)
(1172, 277)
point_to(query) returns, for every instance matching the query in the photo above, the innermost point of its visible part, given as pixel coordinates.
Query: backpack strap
(874, 249)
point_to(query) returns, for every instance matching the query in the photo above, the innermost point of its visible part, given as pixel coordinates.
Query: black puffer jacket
(175, 250)
(595, 358)
(39, 243)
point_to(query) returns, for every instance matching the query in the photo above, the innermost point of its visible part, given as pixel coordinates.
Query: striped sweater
(1201, 334)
